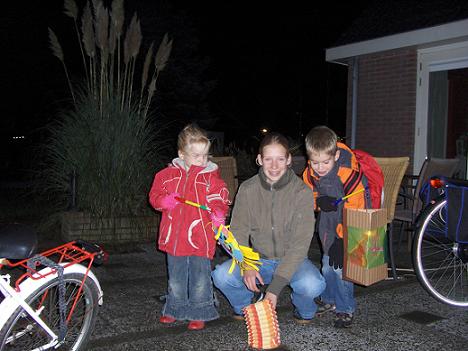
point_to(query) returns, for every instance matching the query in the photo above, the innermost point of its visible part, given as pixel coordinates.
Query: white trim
(422, 37)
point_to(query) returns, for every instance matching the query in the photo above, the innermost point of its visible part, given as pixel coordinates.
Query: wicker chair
(394, 169)
(228, 169)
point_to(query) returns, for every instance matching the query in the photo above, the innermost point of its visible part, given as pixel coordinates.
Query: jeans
(306, 284)
(190, 291)
(338, 291)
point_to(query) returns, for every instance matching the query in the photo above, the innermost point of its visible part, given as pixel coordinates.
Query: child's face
(275, 161)
(195, 154)
(323, 163)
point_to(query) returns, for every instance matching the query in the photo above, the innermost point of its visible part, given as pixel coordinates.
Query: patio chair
(228, 168)
(408, 213)
(394, 169)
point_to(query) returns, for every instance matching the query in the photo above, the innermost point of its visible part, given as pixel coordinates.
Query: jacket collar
(281, 183)
(179, 163)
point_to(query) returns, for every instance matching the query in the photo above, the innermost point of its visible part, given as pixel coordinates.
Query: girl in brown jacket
(273, 213)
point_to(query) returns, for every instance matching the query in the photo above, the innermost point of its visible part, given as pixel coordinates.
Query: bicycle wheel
(440, 263)
(21, 332)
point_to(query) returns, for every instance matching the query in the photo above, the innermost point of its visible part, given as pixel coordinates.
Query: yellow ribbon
(250, 258)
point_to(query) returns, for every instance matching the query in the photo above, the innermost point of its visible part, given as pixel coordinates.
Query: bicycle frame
(69, 256)
(7, 290)
(440, 255)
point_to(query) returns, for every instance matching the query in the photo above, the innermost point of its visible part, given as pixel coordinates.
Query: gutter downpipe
(354, 102)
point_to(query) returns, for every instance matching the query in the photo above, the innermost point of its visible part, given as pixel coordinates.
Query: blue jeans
(338, 291)
(306, 284)
(190, 291)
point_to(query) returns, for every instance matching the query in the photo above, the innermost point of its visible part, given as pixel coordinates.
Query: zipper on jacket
(273, 239)
(180, 213)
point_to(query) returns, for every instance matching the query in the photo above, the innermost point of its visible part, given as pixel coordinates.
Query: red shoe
(166, 320)
(196, 325)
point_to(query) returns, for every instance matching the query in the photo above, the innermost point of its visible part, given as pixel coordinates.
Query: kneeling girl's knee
(310, 285)
(221, 275)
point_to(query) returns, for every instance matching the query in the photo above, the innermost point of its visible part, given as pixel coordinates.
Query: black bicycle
(440, 244)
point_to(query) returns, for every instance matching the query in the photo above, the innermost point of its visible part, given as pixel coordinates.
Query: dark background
(236, 67)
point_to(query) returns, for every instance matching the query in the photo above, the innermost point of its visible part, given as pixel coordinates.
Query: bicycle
(53, 301)
(440, 244)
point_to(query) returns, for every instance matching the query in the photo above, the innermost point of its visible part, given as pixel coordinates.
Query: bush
(113, 154)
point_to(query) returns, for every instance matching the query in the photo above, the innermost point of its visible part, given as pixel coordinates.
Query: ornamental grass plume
(144, 74)
(109, 66)
(71, 10)
(58, 52)
(107, 138)
(164, 51)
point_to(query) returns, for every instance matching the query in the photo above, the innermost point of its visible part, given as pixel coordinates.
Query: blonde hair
(191, 134)
(321, 139)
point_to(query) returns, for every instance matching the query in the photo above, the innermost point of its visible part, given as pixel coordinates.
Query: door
(439, 123)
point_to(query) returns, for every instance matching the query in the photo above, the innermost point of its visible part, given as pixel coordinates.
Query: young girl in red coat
(186, 233)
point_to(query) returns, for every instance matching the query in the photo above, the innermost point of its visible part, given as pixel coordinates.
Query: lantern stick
(349, 195)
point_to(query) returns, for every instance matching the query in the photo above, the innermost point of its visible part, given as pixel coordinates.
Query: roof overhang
(421, 38)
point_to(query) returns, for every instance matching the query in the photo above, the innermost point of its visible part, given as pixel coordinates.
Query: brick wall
(79, 225)
(386, 104)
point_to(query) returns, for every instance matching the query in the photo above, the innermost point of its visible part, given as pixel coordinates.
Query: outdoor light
(264, 130)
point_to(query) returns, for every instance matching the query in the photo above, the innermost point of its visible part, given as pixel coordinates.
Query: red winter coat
(186, 230)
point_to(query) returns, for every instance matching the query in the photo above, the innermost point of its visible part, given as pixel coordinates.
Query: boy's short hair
(321, 139)
(191, 134)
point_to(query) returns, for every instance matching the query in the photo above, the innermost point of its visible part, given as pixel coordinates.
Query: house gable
(388, 78)
(386, 25)
(422, 38)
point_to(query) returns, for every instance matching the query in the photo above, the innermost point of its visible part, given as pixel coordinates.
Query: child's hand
(169, 201)
(327, 203)
(335, 254)
(217, 218)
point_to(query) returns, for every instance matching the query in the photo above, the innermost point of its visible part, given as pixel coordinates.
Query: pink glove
(169, 202)
(217, 218)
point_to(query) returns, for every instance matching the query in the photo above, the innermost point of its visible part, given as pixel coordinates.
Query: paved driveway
(390, 316)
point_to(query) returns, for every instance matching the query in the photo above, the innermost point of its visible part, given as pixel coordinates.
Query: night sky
(267, 61)
(271, 62)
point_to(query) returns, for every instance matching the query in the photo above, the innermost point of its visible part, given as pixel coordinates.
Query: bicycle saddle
(17, 241)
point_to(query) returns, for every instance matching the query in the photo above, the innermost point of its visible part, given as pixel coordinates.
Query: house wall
(386, 103)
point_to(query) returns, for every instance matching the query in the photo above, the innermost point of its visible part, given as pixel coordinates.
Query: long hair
(274, 138)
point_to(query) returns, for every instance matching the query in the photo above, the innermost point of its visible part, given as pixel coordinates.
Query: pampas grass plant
(113, 154)
(106, 138)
